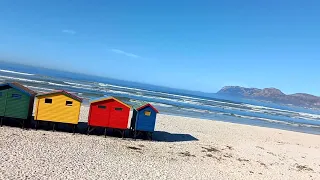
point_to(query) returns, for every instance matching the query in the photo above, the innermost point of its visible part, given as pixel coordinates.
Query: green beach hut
(16, 101)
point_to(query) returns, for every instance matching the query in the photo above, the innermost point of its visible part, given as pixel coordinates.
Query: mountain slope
(273, 95)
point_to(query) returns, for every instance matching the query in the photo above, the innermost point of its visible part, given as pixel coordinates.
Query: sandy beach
(183, 148)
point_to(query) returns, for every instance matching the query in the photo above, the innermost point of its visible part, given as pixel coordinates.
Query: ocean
(208, 106)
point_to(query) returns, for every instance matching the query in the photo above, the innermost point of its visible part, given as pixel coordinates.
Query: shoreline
(260, 123)
(255, 114)
(243, 121)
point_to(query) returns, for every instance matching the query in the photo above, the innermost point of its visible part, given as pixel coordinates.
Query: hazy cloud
(69, 31)
(118, 51)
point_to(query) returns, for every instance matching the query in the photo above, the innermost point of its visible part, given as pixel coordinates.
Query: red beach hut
(109, 113)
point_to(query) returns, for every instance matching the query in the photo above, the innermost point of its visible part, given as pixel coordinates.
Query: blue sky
(196, 45)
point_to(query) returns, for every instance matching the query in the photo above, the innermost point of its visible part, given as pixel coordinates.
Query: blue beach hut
(143, 119)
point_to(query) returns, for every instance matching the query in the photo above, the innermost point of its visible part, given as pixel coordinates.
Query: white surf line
(56, 84)
(14, 72)
(289, 111)
(41, 88)
(76, 84)
(22, 79)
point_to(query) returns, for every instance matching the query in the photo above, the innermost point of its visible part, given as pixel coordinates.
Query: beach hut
(16, 101)
(58, 107)
(109, 112)
(144, 119)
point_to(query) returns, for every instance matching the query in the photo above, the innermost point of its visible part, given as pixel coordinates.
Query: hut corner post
(88, 130)
(150, 136)
(123, 131)
(74, 128)
(36, 125)
(135, 135)
(5, 104)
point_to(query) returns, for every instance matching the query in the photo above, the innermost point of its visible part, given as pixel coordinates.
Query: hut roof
(146, 105)
(111, 97)
(20, 87)
(136, 104)
(139, 105)
(62, 92)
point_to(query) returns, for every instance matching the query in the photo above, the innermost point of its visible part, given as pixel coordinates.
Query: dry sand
(184, 148)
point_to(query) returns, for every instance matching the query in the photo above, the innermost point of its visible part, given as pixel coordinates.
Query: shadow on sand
(163, 136)
(82, 127)
(12, 122)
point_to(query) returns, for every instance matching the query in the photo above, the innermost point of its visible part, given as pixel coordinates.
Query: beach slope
(183, 148)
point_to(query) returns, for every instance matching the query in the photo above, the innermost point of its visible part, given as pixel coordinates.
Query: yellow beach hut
(58, 107)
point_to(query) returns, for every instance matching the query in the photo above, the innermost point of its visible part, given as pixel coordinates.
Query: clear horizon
(198, 46)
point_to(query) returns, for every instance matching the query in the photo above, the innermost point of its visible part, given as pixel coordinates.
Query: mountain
(273, 95)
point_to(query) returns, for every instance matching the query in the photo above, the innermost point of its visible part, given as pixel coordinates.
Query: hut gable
(72, 96)
(109, 99)
(19, 87)
(147, 105)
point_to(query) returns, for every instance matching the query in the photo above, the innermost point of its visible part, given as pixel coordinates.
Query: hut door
(3, 101)
(119, 117)
(101, 115)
